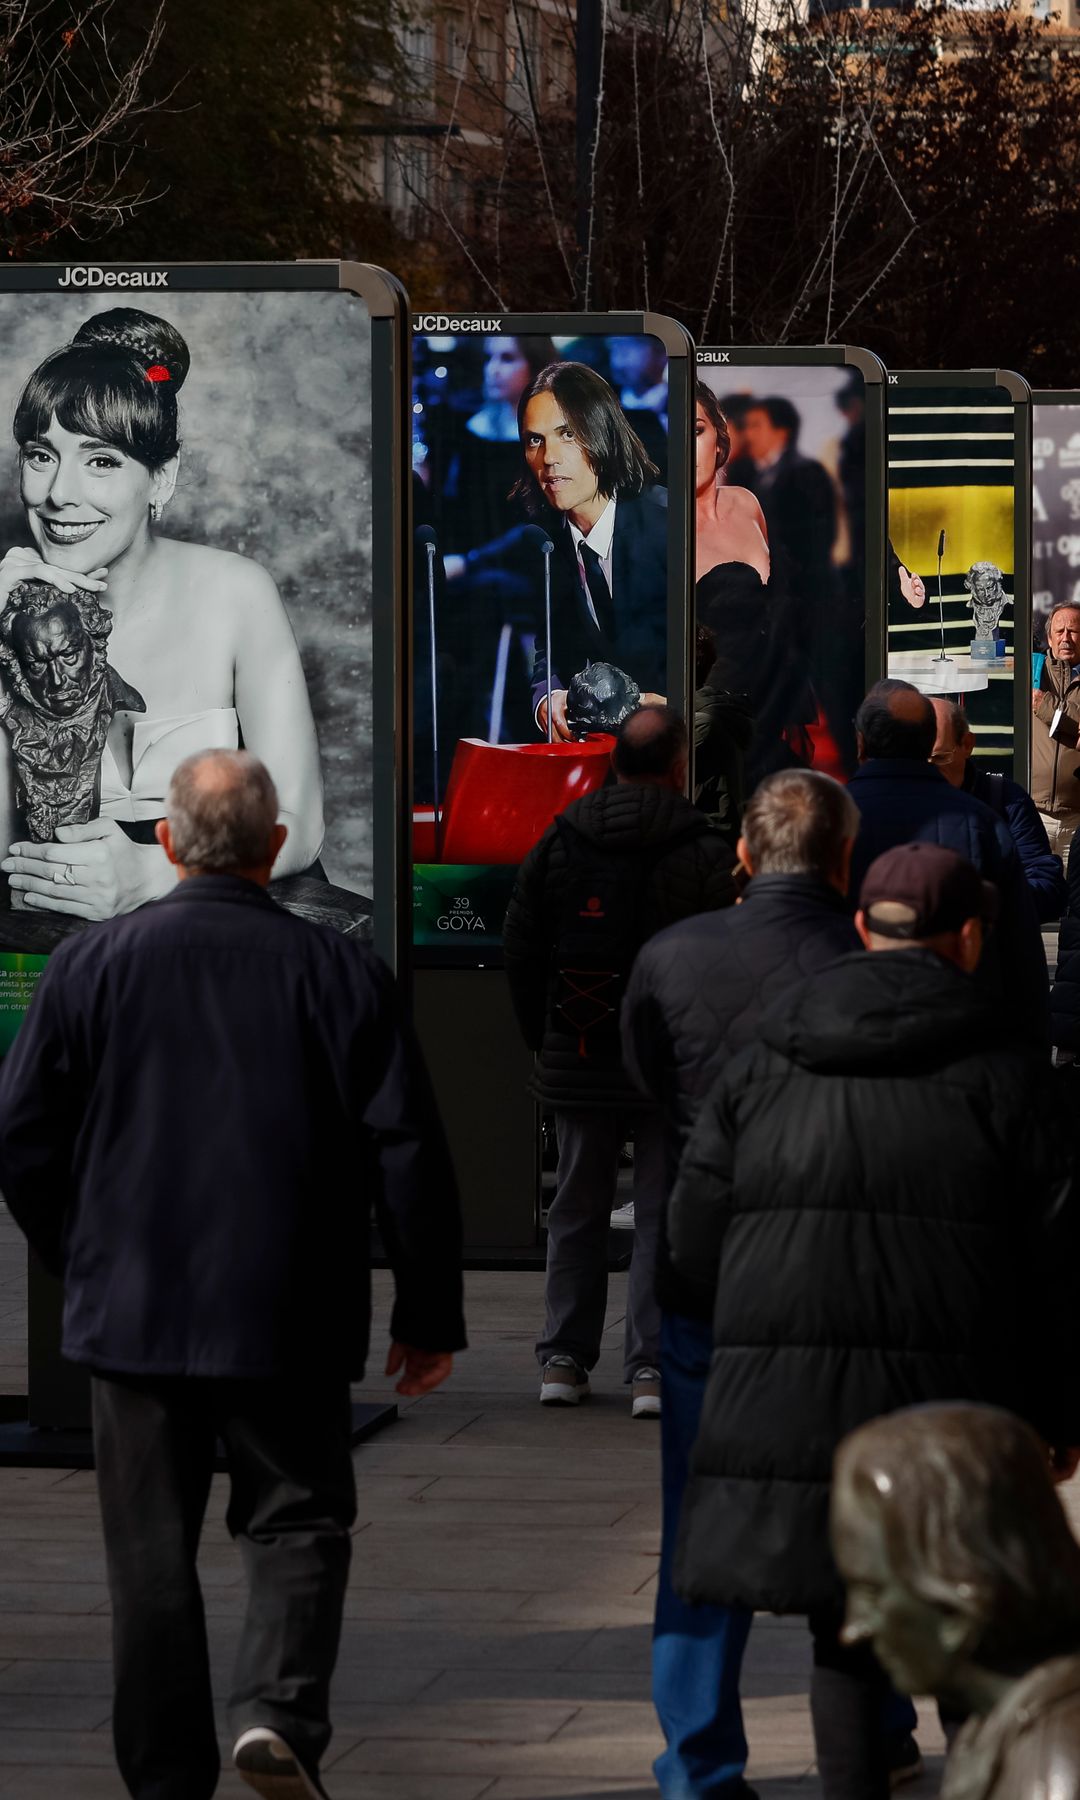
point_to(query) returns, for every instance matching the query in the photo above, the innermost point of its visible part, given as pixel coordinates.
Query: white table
(960, 675)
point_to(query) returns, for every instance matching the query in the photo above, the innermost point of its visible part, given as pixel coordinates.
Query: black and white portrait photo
(185, 563)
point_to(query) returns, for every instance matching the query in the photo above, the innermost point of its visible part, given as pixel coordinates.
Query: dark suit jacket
(203, 1105)
(639, 577)
(799, 502)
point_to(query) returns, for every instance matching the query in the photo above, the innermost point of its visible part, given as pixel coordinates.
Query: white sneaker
(563, 1382)
(622, 1217)
(265, 1761)
(645, 1394)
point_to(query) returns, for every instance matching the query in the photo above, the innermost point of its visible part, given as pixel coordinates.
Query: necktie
(599, 592)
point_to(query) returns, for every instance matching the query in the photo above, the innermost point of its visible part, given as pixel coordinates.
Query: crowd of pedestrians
(829, 1045)
(848, 1056)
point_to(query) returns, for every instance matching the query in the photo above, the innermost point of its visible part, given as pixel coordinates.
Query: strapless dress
(157, 747)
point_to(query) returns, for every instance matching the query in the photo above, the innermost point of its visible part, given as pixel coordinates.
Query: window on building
(522, 55)
(559, 65)
(455, 33)
(484, 54)
(418, 49)
(408, 179)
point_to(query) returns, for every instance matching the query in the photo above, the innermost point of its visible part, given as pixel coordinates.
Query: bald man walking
(203, 1106)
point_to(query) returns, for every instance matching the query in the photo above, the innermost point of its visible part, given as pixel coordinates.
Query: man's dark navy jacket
(204, 1104)
(903, 801)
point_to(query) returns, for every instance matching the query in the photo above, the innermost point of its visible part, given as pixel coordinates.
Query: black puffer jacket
(691, 873)
(873, 1184)
(696, 997)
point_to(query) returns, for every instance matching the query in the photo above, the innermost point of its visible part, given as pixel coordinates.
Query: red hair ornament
(158, 372)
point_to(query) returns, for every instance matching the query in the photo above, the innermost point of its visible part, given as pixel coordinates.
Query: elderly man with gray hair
(696, 996)
(206, 1101)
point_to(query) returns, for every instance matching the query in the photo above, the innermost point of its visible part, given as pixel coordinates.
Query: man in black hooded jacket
(619, 865)
(872, 1191)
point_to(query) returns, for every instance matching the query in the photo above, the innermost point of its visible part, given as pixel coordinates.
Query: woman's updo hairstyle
(117, 381)
(710, 406)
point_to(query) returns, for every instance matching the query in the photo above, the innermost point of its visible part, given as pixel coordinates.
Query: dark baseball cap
(919, 890)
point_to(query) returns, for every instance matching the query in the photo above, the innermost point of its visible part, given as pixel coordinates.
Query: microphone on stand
(425, 536)
(535, 534)
(940, 597)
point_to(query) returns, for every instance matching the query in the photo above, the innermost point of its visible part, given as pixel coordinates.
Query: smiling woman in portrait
(201, 633)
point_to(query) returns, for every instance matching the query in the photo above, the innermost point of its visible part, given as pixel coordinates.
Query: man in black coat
(617, 866)
(872, 1191)
(696, 997)
(204, 1104)
(902, 798)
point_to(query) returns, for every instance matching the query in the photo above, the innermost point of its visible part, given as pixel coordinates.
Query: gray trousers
(575, 1293)
(291, 1509)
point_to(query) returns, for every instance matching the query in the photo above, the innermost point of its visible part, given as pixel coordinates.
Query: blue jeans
(697, 1650)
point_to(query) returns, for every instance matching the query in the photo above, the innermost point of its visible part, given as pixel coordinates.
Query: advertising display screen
(790, 548)
(959, 548)
(551, 560)
(1055, 502)
(199, 547)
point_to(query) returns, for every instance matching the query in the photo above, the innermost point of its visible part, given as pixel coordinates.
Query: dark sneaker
(563, 1382)
(905, 1761)
(265, 1762)
(645, 1394)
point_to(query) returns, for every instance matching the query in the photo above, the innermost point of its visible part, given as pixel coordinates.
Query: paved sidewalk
(496, 1643)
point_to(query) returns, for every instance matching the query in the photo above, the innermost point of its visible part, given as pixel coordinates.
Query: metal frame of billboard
(872, 370)
(677, 343)
(1021, 396)
(387, 308)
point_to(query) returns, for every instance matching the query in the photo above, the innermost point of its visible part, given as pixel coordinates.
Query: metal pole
(940, 595)
(548, 547)
(429, 546)
(588, 52)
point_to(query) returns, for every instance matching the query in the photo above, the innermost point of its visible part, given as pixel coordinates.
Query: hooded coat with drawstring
(873, 1192)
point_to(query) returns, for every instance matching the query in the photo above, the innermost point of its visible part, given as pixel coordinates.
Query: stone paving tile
(569, 1606)
(571, 1685)
(525, 1721)
(608, 1758)
(52, 1678)
(442, 1646)
(447, 1559)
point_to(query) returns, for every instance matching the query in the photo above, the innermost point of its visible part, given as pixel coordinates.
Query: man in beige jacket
(1055, 730)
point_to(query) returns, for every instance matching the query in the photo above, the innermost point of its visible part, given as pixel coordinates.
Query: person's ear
(860, 747)
(862, 928)
(163, 481)
(742, 852)
(277, 841)
(678, 774)
(164, 838)
(971, 945)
